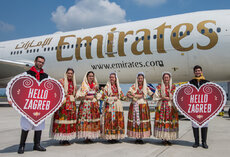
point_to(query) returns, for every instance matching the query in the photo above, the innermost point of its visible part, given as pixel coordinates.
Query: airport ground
(218, 140)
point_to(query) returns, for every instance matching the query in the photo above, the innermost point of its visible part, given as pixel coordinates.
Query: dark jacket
(42, 75)
(196, 83)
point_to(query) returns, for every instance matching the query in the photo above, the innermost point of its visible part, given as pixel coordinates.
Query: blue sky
(27, 18)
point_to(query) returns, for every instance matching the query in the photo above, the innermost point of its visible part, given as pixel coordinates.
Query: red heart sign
(35, 100)
(199, 105)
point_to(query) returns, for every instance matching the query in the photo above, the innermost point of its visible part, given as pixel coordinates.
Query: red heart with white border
(35, 100)
(199, 105)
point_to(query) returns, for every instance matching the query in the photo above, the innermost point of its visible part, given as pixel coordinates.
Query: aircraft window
(148, 37)
(14, 52)
(67, 46)
(52, 48)
(56, 48)
(85, 44)
(48, 48)
(218, 29)
(210, 30)
(188, 32)
(34, 50)
(126, 39)
(17, 52)
(181, 33)
(37, 50)
(72, 46)
(161, 35)
(155, 36)
(202, 31)
(136, 38)
(20, 52)
(76, 45)
(11, 53)
(31, 51)
(44, 49)
(90, 44)
(27, 51)
(174, 34)
(142, 38)
(64, 47)
(59, 47)
(81, 45)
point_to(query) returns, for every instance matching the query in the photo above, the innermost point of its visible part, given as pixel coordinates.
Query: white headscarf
(66, 83)
(117, 83)
(85, 86)
(163, 85)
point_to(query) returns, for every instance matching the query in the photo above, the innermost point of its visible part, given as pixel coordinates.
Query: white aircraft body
(174, 43)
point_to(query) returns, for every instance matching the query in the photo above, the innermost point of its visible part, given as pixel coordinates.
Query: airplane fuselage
(174, 43)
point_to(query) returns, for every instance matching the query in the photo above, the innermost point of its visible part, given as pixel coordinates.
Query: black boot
(22, 141)
(204, 132)
(196, 136)
(37, 139)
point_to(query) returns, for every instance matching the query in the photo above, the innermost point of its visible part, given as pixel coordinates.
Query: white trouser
(26, 125)
(196, 126)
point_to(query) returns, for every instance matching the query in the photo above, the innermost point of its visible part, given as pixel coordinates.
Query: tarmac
(218, 141)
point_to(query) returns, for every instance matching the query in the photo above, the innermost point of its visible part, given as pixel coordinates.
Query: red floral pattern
(64, 121)
(166, 124)
(114, 128)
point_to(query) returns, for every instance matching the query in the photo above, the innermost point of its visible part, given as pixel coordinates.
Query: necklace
(114, 88)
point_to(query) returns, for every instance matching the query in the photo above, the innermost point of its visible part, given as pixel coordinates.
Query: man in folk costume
(198, 81)
(37, 72)
(114, 128)
(139, 125)
(88, 119)
(63, 126)
(166, 126)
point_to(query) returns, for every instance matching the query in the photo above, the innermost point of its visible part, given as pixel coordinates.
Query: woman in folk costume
(64, 120)
(114, 128)
(166, 125)
(88, 119)
(139, 125)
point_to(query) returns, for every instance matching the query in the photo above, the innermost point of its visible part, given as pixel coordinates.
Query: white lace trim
(88, 134)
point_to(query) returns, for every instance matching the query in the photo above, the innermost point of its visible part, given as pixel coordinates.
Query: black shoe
(137, 141)
(111, 141)
(204, 132)
(141, 142)
(196, 137)
(164, 142)
(22, 142)
(88, 141)
(37, 139)
(116, 141)
(204, 145)
(169, 143)
(21, 149)
(65, 143)
(195, 145)
(39, 148)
